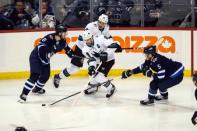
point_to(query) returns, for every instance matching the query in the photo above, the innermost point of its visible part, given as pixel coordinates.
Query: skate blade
(21, 101)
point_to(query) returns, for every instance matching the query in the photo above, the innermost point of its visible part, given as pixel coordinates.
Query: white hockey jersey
(100, 45)
(93, 28)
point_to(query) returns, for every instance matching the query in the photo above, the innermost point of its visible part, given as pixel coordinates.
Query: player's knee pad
(34, 77)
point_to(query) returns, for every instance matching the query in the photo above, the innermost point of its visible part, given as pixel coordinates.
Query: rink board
(16, 47)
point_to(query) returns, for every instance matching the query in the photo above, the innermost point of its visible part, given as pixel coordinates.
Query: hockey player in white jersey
(99, 50)
(97, 28)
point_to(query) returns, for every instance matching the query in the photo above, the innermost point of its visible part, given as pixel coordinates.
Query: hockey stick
(74, 93)
(132, 48)
(65, 98)
(95, 85)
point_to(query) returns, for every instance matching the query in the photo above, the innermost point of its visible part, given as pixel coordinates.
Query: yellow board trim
(81, 73)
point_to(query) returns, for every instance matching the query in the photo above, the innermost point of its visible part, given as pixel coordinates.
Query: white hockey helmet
(87, 35)
(103, 18)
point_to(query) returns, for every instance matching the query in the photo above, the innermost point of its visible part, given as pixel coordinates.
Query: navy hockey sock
(152, 93)
(39, 85)
(164, 94)
(29, 84)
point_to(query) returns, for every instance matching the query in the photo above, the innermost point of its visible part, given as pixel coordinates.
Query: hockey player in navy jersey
(194, 117)
(165, 72)
(40, 61)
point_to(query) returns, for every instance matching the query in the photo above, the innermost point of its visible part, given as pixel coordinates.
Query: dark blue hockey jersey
(47, 47)
(161, 67)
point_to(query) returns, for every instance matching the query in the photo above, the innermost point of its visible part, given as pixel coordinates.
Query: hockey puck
(43, 104)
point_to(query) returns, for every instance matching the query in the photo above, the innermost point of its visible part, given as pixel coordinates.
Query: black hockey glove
(103, 56)
(126, 74)
(70, 53)
(91, 70)
(194, 118)
(146, 71)
(117, 46)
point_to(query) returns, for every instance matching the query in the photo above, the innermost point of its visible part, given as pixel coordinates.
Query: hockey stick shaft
(77, 93)
(131, 48)
(65, 98)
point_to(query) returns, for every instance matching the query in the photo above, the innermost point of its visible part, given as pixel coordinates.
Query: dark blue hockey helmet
(195, 76)
(60, 28)
(20, 129)
(150, 50)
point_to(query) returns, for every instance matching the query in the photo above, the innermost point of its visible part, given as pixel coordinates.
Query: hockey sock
(68, 71)
(39, 85)
(29, 84)
(152, 93)
(164, 94)
(63, 74)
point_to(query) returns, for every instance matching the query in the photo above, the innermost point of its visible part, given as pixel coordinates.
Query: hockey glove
(126, 74)
(146, 71)
(194, 118)
(103, 56)
(116, 46)
(91, 70)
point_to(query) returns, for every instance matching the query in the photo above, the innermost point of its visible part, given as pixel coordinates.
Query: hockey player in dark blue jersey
(166, 73)
(40, 61)
(194, 117)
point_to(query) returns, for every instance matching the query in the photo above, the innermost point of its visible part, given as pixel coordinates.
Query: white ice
(96, 113)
